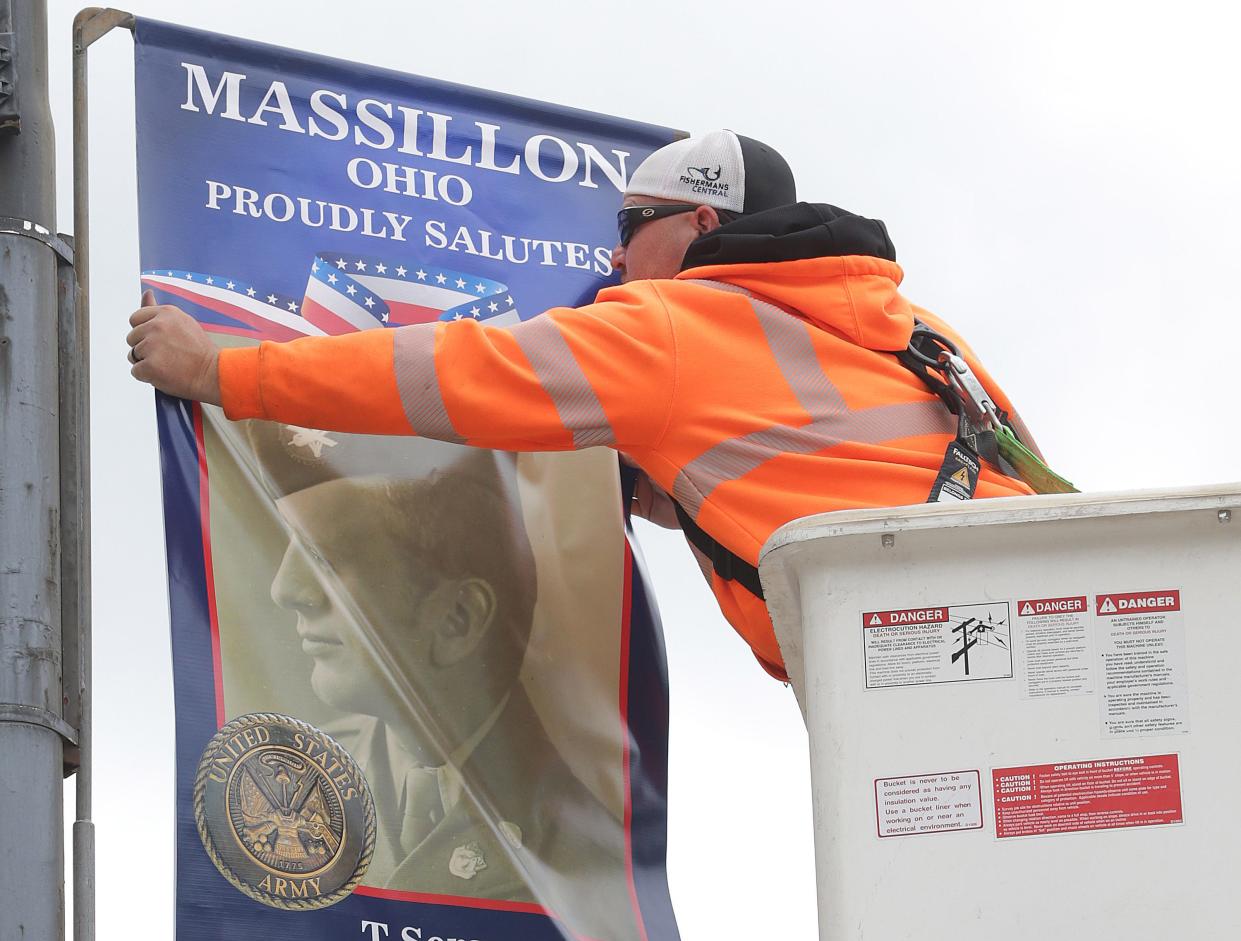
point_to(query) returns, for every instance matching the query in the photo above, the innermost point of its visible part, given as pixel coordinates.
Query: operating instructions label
(1101, 794)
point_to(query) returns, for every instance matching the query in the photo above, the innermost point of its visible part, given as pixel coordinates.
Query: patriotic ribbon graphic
(344, 293)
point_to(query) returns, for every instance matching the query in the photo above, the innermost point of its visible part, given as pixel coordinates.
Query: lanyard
(983, 431)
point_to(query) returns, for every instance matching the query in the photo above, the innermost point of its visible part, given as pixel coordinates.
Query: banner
(420, 688)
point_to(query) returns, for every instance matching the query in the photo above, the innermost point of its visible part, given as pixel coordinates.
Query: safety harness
(983, 428)
(984, 433)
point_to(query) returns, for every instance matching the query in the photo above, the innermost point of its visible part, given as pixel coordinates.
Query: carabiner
(942, 343)
(974, 398)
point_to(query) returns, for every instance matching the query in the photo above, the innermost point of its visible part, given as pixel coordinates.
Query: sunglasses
(632, 218)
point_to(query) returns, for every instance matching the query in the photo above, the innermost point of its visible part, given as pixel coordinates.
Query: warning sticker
(1054, 647)
(928, 803)
(1139, 602)
(941, 644)
(1087, 795)
(1143, 685)
(1040, 607)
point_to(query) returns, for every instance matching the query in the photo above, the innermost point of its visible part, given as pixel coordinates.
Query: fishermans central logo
(284, 812)
(705, 180)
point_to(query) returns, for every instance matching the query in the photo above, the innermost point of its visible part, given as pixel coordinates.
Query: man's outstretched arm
(570, 378)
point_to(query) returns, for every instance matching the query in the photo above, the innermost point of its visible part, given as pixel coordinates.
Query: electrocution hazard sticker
(1104, 794)
(928, 803)
(1144, 687)
(937, 644)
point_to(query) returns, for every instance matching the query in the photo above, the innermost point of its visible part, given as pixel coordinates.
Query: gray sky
(1060, 182)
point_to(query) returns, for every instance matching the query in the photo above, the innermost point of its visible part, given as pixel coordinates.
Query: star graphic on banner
(331, 279)
(210, 280)
(509, 301)
(457, 315)
(189, 277)
(460, 282)
(370, 302)
(340, 263)
(315, 266)
(250, 292)
(360, 265)
(293, 306)
(381, 268)
(480, 288)
(400, 271)
(230, 285)
(170, 274)
(384, 318)
(440, 279)
(493, 307)
(311, 438)
(422, 275)
(473, 311)
(271, 298)
(351, 290)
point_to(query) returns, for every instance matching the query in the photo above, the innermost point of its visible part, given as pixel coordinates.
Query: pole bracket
(93, 23)
(10, 225)
(37, 715)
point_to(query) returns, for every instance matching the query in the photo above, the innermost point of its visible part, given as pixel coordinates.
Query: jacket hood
(830, 266)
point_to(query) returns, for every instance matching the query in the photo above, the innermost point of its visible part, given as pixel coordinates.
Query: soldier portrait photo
(387, 591)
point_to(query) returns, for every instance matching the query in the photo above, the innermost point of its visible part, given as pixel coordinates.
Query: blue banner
(420, 688)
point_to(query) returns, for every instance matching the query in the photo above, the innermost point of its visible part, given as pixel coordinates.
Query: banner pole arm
(88, 26)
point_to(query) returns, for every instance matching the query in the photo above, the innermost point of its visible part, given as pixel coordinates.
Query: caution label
(1143, 683)
(937, 644)
(1055, 654)
(1102, 794)
(928, 803)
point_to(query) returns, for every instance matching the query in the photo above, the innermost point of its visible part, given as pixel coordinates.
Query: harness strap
(982, 441)
(727, 564)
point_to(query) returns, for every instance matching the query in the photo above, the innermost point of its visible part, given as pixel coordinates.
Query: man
(747, 364)
(413, 583)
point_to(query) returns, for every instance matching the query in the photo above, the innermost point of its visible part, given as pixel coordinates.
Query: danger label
(1144, 685)
(1103, 794)
(905, 616)
(1055, 651)
(1034, 607)
(928, 803)
(939, 644)
(1138, 601)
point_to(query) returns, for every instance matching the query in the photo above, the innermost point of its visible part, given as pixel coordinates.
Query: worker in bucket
(758, 363)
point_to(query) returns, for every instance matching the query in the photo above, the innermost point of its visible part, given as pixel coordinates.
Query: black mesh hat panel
(768, 180)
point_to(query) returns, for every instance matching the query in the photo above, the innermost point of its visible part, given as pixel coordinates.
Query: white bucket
(1083, 778)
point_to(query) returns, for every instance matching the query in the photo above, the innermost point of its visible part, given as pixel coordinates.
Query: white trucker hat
(719, 169)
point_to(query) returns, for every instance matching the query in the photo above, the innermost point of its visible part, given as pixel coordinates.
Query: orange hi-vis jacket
(754, 394)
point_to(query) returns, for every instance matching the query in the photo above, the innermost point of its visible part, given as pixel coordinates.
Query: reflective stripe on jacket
(754, 394)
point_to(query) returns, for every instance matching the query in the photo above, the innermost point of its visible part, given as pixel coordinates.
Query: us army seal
(284, 812)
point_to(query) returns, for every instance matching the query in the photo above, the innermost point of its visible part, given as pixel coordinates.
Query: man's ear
(467, 621)
(706, 219)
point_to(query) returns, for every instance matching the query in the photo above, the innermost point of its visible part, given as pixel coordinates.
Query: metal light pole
(33, 731)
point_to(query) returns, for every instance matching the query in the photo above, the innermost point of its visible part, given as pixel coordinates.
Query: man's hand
(171, 351)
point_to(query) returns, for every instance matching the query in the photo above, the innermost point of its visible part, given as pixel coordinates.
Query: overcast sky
(1060, 180)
